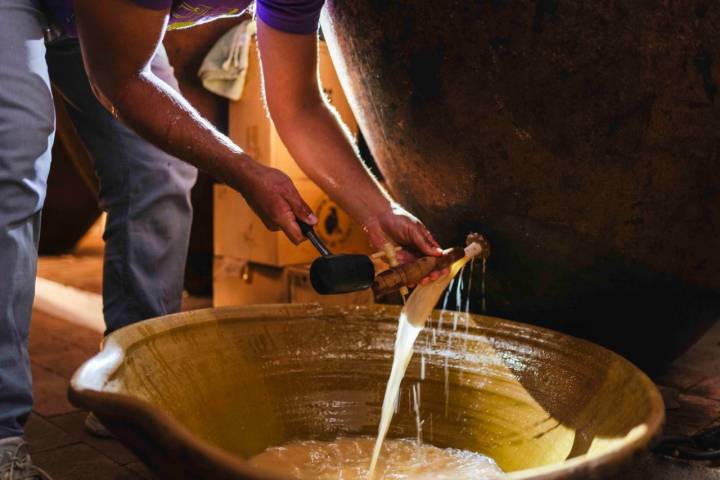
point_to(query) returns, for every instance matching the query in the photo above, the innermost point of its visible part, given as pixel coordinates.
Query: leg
(145, 192)
(26, 134)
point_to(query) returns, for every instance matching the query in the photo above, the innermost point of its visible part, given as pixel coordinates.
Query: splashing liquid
(482, 286)
(467, 303)
(418, 308)
(347, 459)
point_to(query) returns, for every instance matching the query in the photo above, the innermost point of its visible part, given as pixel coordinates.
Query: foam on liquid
(348, 459)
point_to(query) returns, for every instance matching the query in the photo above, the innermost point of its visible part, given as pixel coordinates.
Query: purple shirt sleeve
(155, 4)
(291, 16)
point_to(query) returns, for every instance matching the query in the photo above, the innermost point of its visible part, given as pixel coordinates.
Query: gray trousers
(145, 192)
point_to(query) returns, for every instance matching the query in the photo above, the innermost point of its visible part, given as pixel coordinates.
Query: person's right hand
(274, 198)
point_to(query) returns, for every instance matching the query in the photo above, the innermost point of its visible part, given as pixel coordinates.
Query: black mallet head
(335, 274)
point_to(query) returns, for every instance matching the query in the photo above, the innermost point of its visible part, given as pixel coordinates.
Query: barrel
(581, 138)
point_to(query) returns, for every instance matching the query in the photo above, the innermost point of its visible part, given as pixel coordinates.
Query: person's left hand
(401, 227)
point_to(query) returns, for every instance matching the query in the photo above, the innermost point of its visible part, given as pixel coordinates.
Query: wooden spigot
(389, 253)
(411, 273)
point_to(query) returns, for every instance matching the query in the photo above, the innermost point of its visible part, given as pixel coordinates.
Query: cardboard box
(239, 233)
(250, 127)
(300, 290)
(238, 281)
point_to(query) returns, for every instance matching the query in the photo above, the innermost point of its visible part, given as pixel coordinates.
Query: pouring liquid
(365, 458)
(417, 309)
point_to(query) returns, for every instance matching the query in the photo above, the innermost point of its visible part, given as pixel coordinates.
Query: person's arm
(118, 40)
(316, 139)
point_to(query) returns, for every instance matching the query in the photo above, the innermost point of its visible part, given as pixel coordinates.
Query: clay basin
(196, 393)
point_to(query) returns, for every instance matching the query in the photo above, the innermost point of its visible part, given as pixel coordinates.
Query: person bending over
(146, 140)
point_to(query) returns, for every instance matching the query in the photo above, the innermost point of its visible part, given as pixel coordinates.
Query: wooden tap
(411, 273)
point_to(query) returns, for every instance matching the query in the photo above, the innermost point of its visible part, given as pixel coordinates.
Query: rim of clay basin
(87, 390)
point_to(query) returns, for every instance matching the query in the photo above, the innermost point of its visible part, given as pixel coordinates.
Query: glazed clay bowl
(195, 394)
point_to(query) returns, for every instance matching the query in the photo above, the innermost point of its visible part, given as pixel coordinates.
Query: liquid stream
(413, 316)
(365, 458)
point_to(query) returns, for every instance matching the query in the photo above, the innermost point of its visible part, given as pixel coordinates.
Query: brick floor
(694, 380)
(55, 430)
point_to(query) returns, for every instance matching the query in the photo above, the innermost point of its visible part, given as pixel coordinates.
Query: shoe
(94, 427)
(15, 462)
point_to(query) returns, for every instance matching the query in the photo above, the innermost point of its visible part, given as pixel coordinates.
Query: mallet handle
(308, 231)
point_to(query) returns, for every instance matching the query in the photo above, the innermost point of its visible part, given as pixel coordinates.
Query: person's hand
(274, 198)
(398, 225)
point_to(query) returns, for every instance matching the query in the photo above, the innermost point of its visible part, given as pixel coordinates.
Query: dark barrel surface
(582, 138)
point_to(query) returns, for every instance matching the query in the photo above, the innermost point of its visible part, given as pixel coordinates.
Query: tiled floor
(691, 387)
(55, 429)
(691, 390)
